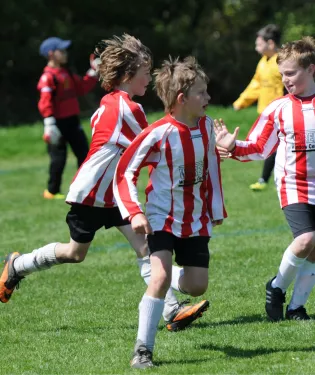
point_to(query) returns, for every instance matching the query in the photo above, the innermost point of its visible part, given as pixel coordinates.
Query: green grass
(82, 319)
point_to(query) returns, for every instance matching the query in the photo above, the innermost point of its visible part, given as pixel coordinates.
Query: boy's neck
(271, 53)
(189, 121)
(53, 64)
(125, 87)
(309, 91)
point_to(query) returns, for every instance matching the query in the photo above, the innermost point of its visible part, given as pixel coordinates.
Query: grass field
(82, 319)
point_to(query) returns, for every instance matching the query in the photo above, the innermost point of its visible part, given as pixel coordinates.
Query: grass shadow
(257, 318)
(235, 352)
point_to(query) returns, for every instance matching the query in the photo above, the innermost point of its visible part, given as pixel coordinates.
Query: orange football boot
(9, 280)
(185, 315)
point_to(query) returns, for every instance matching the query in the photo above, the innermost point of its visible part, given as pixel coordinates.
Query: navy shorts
(190, 251)
(300, 217)
(84, 221)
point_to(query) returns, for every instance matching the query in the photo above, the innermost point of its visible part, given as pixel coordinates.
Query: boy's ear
(181, 98)
(50, 54)
(271, 43)
(311, 69)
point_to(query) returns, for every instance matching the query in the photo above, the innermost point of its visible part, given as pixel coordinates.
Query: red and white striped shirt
(184, 192)
(114, 125)
(288, 126)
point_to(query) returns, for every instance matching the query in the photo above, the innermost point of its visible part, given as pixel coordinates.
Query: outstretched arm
(261, 141)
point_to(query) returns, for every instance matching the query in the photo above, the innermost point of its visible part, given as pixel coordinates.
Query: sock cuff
(143, 260)
(293, 259)
(152, 299)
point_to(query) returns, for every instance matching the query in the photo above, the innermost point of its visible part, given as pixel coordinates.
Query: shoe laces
(144, 355)
(277, 296)
(183, 303)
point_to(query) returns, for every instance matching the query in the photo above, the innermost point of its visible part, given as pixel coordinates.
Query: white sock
(288, 270)
(305, 281)
(150, 312)
(177, 273)
(38, 260)
(171, 302)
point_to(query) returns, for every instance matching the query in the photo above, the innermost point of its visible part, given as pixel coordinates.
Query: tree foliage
(220, 33)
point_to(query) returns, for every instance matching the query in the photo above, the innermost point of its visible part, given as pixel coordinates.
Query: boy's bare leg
(18, 266)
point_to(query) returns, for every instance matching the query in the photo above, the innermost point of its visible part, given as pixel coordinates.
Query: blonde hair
(121, 57)
(302, 51)
(175, 77)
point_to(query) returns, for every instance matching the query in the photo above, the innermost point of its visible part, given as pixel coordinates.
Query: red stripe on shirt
(300, 160)
(169, 159)
(204, 219)
(283, 191)
(189, 175)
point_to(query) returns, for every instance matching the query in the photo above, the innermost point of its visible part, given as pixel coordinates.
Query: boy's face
(140, 81)
(197, 100)
(296, 79)
(60, 56)
(263, 47)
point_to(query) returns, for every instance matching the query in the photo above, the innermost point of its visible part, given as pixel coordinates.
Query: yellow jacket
(265, 86)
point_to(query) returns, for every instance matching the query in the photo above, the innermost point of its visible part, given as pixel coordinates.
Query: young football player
(287, 125)
(59, 106)
(184, 194)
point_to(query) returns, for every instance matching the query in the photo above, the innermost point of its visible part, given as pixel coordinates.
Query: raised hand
(223, 137)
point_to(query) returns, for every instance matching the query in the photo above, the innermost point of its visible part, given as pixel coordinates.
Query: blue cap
(51, 44)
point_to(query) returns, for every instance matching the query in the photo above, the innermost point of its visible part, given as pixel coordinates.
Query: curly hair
(121, 57)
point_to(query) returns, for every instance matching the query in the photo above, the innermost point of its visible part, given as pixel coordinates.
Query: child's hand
(94, 62)
(140, 225)
(223, 137)
(51, 134)
(224, 153)
(217, 222)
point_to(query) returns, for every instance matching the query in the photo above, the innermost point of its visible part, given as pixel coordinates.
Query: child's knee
(74, 256)
(161, 283)
(198, 288)
(306, 240)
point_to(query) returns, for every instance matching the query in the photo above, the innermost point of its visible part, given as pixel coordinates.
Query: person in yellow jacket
(265, 86)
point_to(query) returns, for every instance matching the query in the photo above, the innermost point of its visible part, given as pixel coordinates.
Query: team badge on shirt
(192, 175)
(304, 141)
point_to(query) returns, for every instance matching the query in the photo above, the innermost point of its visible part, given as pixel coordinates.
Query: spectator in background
(265, 86)
(58, 104)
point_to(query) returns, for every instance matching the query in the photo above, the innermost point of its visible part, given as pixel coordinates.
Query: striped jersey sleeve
(262, 140)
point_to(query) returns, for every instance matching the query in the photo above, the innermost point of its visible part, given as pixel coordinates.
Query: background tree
(220, 33)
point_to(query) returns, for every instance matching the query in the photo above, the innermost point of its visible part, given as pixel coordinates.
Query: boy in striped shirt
(288, 126)
(125, 71)
(184, 193)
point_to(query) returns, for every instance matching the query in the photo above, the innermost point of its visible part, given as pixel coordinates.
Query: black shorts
(84, 221)
(191, 251)
(300, 217)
